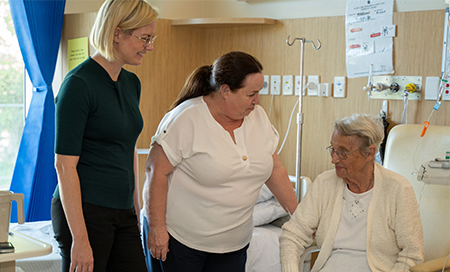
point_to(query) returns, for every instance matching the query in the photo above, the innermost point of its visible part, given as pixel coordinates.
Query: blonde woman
(95, 205)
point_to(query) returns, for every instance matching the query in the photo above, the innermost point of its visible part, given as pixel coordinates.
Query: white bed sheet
(263, 254)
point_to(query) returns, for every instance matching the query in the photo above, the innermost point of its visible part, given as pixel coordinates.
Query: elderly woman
(365, 217)
(208, 161)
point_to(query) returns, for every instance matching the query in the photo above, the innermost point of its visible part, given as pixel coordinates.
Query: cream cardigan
(394, 227)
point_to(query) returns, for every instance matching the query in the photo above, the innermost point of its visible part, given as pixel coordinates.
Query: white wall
(274, 9)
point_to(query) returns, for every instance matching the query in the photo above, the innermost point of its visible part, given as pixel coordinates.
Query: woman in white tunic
(209, 158)
(365, 217)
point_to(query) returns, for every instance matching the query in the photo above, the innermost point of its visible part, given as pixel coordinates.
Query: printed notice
(368, 33)
(77, 51)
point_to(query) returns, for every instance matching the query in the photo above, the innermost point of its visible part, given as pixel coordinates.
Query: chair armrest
(308, 250)
(431, 266)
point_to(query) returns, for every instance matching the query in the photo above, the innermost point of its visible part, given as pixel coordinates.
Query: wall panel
(417, 52)
(178, 50)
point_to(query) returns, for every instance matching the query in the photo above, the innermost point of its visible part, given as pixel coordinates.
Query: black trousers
(113, 234)
(185, 259)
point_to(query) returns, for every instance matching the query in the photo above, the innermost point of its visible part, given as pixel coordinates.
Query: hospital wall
(180, 49)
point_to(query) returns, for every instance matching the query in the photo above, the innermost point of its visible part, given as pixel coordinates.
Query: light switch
(431, 88)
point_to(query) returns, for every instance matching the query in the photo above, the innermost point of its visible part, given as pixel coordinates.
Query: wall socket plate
(265, 88)
(313, 85)
(325, 89)
(297, 85)
(431, 88)
(287, 85)
(339, 87)
(275, 85)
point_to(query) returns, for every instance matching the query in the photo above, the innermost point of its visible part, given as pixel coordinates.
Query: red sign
(375, 35)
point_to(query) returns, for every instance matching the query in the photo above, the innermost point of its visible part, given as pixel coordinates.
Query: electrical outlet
(324, 89)
(265, 88)
(287, 85)
(275, 85)
(297, 85)
(339, 87)
(313, 85)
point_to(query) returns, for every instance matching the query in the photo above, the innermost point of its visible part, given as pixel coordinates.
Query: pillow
(264, 194)
(267, 211)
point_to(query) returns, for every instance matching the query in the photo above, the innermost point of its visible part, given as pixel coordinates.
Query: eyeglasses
(341, 154)
(147, 41)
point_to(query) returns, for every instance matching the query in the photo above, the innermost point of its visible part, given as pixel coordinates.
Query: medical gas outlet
(396, 87)
(446, 92)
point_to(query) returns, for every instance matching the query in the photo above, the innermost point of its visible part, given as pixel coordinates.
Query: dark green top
(99, 120)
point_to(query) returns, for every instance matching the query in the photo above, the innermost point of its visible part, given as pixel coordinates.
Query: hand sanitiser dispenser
(435, 172)
(6, 198)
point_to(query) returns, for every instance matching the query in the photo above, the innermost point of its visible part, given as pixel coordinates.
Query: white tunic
(215, 182)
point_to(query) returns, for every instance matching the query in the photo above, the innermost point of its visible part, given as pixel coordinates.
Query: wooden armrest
(431, 266)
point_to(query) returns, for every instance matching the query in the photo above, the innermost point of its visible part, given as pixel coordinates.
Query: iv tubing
(445, 264)
(289, 127)
(438, 102)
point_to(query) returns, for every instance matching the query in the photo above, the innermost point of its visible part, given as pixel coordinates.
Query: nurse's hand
(158, 242)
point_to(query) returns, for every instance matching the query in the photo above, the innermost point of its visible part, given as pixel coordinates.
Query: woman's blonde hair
(126, 14)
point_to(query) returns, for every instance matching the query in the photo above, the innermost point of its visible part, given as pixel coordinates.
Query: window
(11, 95)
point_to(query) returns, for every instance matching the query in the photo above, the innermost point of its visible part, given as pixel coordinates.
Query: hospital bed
(263, 254)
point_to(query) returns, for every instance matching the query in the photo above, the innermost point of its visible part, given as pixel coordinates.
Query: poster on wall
(77, 51)
(369, 37)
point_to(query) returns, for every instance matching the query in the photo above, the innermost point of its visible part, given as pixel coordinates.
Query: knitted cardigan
(394, 228)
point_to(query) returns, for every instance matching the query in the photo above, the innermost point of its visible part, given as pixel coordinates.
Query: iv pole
(298, 186)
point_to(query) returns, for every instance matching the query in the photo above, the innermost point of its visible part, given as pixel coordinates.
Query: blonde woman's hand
(82, 259)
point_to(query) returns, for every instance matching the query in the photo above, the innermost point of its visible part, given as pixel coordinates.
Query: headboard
(405, 153)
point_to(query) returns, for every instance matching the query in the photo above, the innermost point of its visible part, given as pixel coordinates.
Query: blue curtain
(38, 26)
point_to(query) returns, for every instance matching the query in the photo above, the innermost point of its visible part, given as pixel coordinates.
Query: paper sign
(77, 51)
(369, 32)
